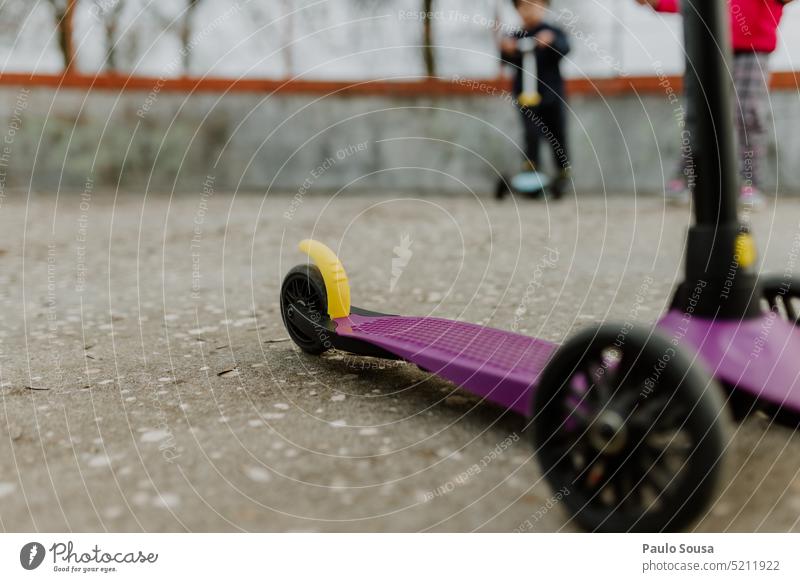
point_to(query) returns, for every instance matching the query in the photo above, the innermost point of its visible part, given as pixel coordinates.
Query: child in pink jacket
(754, 26)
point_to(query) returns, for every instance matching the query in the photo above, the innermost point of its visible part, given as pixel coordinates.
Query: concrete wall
(161, 142)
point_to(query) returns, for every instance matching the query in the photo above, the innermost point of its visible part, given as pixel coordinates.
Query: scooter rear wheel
(303, 295)
(782, 296)
(629, 431)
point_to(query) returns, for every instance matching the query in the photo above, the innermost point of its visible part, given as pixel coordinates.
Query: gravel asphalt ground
(147, 383)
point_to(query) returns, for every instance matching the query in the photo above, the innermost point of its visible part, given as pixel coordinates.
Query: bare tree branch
(428, 55)
(109, 15)
(62, 14)
(185, 34)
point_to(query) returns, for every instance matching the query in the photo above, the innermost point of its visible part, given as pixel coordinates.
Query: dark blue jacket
(548, 60)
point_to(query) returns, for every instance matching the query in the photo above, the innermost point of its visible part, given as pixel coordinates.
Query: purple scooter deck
(760, 356)
(501, 366)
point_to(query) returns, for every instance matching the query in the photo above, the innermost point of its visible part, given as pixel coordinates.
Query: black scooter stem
(720, 283)
(708, 50)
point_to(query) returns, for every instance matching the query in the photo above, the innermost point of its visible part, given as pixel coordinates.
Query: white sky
(356, 39)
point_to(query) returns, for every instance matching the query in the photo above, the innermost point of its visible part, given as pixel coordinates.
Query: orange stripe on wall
(788, 80)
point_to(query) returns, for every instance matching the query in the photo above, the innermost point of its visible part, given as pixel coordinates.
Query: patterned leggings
(751, 112)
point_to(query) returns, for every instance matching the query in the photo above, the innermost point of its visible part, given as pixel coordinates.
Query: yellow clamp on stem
(745, 250)
(529, 99)
(336, 285)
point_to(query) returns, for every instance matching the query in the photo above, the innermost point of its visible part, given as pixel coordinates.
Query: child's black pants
(546, 123)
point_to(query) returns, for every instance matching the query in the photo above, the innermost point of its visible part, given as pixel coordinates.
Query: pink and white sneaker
(751, 198)
(677, 192)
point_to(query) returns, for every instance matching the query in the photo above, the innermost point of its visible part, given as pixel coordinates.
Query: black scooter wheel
(303, 289)
(782, 296)
(629, 431)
